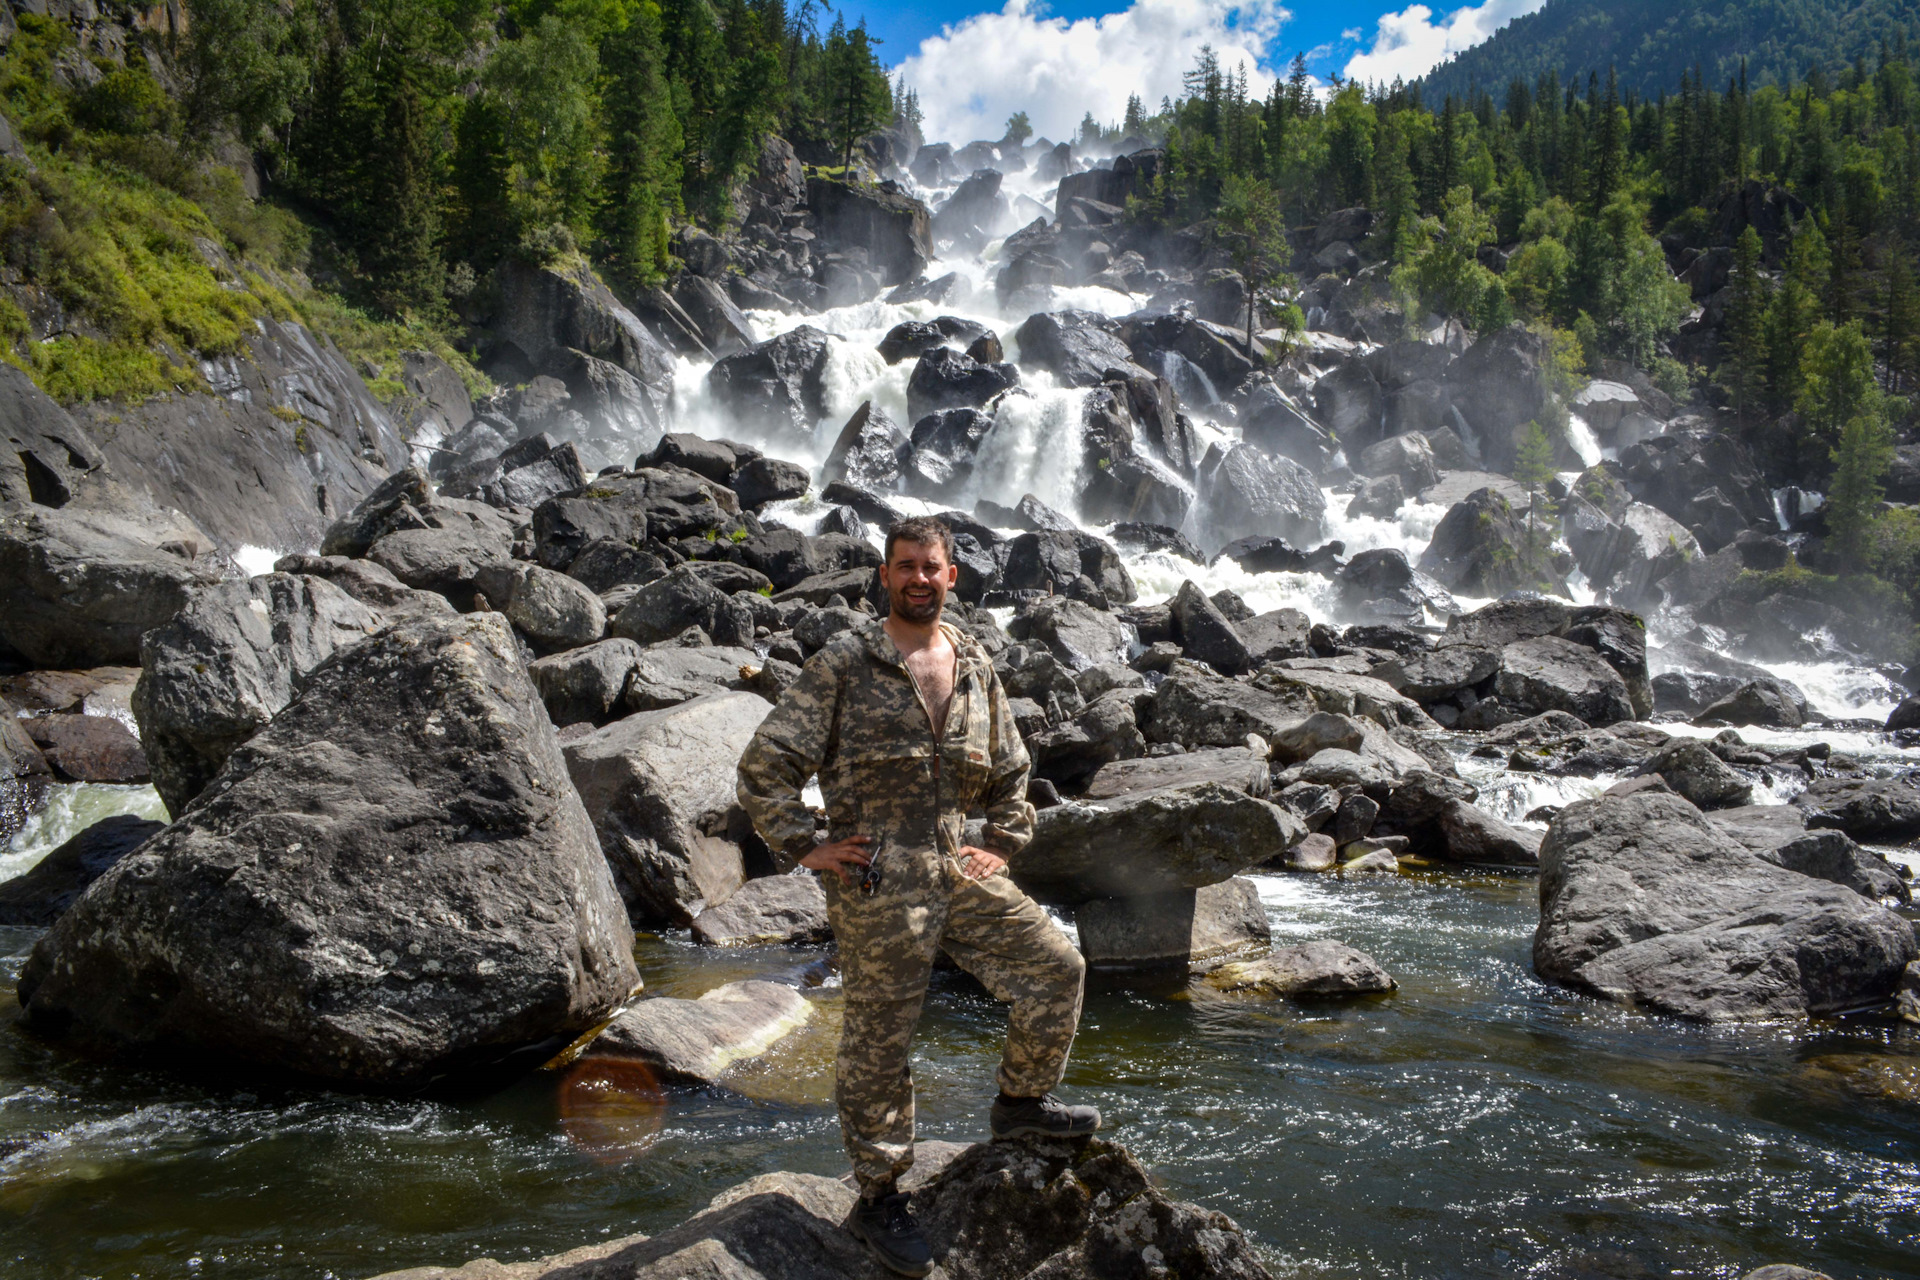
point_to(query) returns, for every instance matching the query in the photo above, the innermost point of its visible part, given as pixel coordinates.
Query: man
(908, 728)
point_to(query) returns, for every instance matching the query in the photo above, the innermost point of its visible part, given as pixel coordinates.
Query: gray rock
(1551, 674)
(1407, 456)
(50, 886)
(1435, 673)
(1310, 969)
(1205, 634)
(1049, 1210)
(1690, 769)
(368, 583)
(767, 480)
(663, 678)
(84, 748)
(870, 450)
(784, 909)
(776, 386)
(1644, 900)
(1243, 492)
(1196, 708)
(78, 588)
(1474, 835)
(584, 686)
(1053, 558)
(564, 321)
(1315, 852)
(1777, 833)
(1238, 767)
(1077, 347)
(1079, 635)
(448, 562)
(1483, 547)
(551, 609)
(1275, 634)
(1105, 730)
(697, 1040)
(225, 666)
(947, 379)
(1145, 842)
(1374, 862)
(390, 880)
(667, 606)
(659, 789)
(523, 475)
(1756, 703)
(1873, 809)
(1180, 927)
(1497, 625)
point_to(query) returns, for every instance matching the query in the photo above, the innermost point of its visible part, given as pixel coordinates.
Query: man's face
(917, 580)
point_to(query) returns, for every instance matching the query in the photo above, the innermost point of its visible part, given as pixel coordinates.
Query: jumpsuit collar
(967, 653)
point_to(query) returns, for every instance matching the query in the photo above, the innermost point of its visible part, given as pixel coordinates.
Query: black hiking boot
(890, 1231)
(1044, 1117)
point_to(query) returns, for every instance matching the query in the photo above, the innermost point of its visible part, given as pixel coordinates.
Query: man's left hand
(981, 863)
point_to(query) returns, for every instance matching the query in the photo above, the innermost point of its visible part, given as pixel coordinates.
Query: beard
(925, 611)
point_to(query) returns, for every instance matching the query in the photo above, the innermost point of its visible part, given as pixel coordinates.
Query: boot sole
(898, 1268)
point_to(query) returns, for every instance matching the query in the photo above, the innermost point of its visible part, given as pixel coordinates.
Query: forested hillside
(1650, 43)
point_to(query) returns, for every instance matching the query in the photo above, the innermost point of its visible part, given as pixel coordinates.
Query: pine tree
(1134, 124)
(1609, 148)
(403, 224)
(1256, 237)
(1743, 373)
(642, 186)
(1902, 324)
(1860, 462)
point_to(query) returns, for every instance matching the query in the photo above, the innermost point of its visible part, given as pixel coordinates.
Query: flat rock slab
(1872, 809)
(1644, 901)
(390, 881)
(791, 909)
(1230, 766)
(697, 1040)
(1151, 842)
(1025, 1208)
(1320, 968)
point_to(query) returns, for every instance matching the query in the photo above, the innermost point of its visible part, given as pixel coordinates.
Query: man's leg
(1002, 937)
(873, 1088)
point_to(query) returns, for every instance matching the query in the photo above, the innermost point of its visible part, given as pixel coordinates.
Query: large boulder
(1197, 708)
(664, 504)
(224, 667)
(1549, 673)
(1078, 634)
(1706, 480)
(1881, 810)
(1645, 901)
(78, 588)
(389, 881)
(773, 909)
(667, 606)
(1485, 546)
(585, 685)
(776, 387)
(869, 451)
(1691, 769)
(1145, 842)
(1076, 347)
(891, 228)
(659, 788)
(1243, 492)
(1500, 384)
(947, 379)
(1778, 834)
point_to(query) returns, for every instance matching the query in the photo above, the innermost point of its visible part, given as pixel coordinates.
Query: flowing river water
(1475, 1123)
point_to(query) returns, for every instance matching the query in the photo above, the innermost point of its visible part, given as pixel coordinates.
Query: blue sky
(975, 63)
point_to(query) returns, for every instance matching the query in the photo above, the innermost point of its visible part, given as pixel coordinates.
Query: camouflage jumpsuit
(856, 718)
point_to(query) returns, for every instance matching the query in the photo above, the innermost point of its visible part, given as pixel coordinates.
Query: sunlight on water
(72, 807)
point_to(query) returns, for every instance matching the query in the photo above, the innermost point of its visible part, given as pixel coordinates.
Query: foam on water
(71, 808)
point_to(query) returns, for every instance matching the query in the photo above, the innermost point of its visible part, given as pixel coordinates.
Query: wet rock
(1369, 862)
(37, 898)
(697, 1040)
(1627, 556)
(940, 462)
(1076, 347)
(1349, 402)
(949, 379)
(1620, 638)
(1181, 927)
(773, 909)
(659, 788)
(767, 480)
(1906, 715)
(563, 321)
(1315, 852)
(1881, 810)
(1148, 842)
(388, 881)
(666, 607)
(1383, 576)
(1756, 703)
(79, 587)
(776, 386)
(1308, 970)
(1644, 900)
(1483, 546)
(1205, 634)
(1473, 835)
(83, 748)
(1551, 674)
(1500, 384)
(1705, 480)
(1407, 456)
(890, 227)
(1051, 559)
(238, 653)
(1380, 497)
(1243, 492)
(1693, 771)
(1777, 833)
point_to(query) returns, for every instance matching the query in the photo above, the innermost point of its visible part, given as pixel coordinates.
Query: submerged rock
(1320, 968)
(1173, 928)
(697, 1040)
(1646, 902)
(391, 880)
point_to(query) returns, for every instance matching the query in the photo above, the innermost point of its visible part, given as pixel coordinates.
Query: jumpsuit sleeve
(1009, 816)
(787, 749)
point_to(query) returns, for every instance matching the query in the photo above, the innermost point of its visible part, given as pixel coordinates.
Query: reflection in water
(611, 1108)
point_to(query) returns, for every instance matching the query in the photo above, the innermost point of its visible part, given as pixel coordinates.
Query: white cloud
(975, 74)
(1410, 43)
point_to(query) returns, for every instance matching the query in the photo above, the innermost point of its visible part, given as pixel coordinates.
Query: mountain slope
(1651, 42)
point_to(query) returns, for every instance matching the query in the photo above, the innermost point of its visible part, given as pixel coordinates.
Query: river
(1475, 1123)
